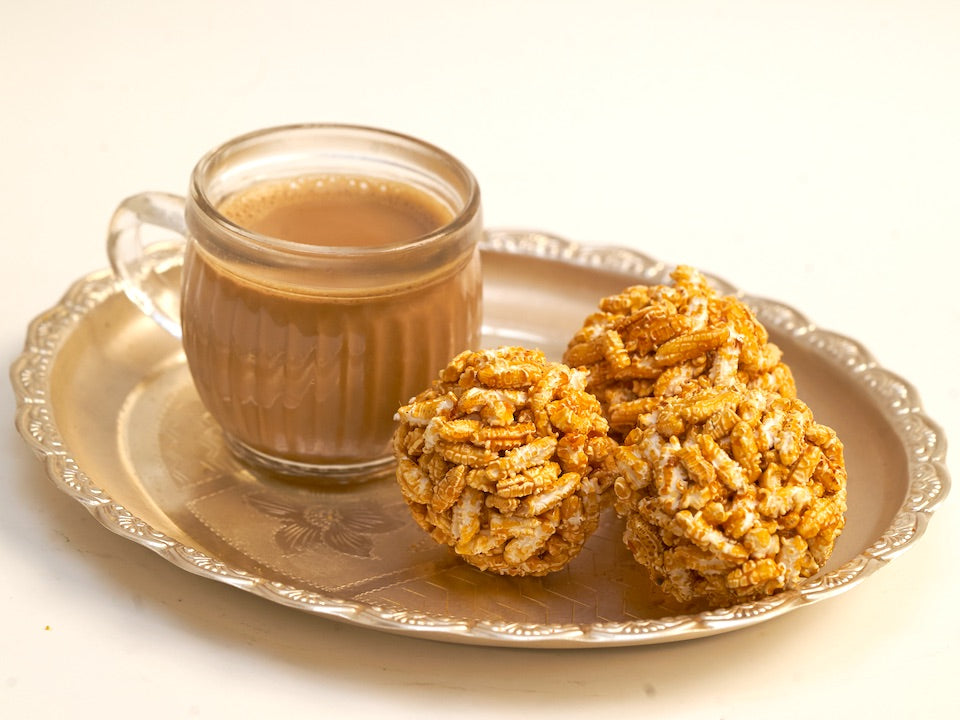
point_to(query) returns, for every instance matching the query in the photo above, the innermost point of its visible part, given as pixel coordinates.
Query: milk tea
(307, 368)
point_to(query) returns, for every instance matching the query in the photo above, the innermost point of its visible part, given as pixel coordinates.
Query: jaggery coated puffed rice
(505, 459)
(730, 493)
(647, 342)
(729, 487)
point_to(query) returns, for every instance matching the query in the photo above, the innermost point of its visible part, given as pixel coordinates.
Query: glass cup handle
(147, 236)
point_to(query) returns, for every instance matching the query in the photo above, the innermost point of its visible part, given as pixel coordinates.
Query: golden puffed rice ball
(505, 459)
(730, 494)
(649, 341)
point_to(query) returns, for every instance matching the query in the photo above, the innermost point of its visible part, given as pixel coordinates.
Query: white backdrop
(803, 151)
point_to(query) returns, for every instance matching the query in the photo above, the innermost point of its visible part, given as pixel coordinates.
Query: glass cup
(303, 352)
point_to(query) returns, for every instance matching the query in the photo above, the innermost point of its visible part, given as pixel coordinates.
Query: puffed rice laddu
(730, 494)
(649, 341)
(505, 458)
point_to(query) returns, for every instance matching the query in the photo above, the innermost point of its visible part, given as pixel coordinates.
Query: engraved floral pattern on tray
(302, 527)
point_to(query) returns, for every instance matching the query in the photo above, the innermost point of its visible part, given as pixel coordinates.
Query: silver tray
(106, 401)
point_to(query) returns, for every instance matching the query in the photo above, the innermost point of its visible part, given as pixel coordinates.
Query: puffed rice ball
(505, 459)
(649, 341)
(730, 493)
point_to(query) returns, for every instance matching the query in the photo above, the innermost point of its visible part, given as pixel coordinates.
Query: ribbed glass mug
(303, 352)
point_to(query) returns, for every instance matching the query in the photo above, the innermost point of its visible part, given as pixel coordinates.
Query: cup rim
(260, 241)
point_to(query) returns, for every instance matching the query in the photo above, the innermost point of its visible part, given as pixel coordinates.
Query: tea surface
(337, 210)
